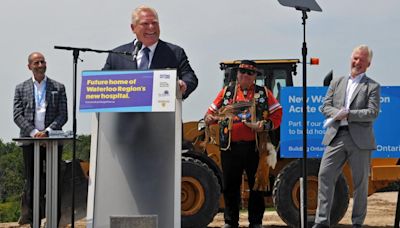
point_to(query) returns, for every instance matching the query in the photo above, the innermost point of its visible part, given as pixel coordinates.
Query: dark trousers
(241, 157)
(27, 195)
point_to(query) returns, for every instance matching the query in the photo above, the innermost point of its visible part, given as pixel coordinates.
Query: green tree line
(11, 176)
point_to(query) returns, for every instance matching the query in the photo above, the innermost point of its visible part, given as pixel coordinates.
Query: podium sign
(128, 91)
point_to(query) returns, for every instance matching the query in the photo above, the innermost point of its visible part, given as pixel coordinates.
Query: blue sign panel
(128, 91)
(385, 127)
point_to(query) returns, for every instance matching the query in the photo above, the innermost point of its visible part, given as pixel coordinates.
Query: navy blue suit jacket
(166, 55)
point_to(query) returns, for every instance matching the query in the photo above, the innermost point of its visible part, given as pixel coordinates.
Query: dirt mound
(381, 213)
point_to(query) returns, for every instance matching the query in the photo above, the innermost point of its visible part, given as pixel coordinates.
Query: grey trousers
(343, 149)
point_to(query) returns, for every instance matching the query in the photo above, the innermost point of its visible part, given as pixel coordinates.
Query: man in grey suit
(153, 53)
(40, 106)
(354, 103)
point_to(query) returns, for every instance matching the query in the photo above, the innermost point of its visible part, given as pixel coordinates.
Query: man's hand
(182, 86)
(41, 134)
(256, 126)
(342, 114)
(260, 126)
(209, 119)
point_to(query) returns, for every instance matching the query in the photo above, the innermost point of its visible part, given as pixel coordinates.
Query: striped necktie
(144, 62)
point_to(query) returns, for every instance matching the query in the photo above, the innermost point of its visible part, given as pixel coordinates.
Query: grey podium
(135, 166)
(51, 144)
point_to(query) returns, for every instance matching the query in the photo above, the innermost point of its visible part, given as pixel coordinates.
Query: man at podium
(149, 52)
(40, 106)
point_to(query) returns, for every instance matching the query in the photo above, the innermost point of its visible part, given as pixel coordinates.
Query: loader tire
(286, 194)
(199, 195)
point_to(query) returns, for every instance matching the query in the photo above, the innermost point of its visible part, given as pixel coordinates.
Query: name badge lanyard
(39, 97)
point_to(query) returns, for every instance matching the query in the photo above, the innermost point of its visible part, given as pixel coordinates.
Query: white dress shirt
(40, 104)
(151, 54)
(352, 84)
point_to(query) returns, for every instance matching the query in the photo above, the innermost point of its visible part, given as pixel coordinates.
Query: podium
(135, 158)
(51, 176)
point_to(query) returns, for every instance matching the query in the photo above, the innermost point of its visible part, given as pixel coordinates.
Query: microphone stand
(303, 209)
(304, 6)
(91, 50)
(75, 53)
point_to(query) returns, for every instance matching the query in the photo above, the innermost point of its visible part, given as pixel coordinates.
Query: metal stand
(304, 6)
(75, 53)
(303, 205)
(51, 178)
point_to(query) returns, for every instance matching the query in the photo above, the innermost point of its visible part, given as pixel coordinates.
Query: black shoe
(255, 226)
(24, 220)
(317, 225)
(357, 226)
(26, 211)
(229, 226)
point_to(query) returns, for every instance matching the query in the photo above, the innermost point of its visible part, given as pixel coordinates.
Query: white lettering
(317, 99)
(388, 148)
(294, 99)
(300, 109)
(385, 99)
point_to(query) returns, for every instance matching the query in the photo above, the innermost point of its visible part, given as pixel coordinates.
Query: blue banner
(128, 91)
(385, 127)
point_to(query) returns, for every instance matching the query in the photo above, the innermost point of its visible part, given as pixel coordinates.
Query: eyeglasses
(248, 72)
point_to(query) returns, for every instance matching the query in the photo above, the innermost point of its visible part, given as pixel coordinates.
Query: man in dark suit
(154, 53)
(353, 102)
(40, 106)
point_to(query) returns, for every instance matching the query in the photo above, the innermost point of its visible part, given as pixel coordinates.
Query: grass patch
(9, 211)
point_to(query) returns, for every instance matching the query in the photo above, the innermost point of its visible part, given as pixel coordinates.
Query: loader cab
(275, 73)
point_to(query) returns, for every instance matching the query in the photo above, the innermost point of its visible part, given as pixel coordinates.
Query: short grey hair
(138, 10)
(365, 48)
(30, 56)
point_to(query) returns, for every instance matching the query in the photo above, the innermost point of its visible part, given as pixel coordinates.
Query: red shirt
(240, 132)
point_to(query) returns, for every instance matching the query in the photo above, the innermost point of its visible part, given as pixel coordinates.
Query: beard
(40, 70)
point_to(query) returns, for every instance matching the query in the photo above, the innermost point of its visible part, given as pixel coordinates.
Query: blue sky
(209, 31)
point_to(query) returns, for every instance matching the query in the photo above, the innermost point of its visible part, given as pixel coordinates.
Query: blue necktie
(144, 62)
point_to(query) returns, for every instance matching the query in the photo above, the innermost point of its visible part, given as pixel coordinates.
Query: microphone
(136, 50)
